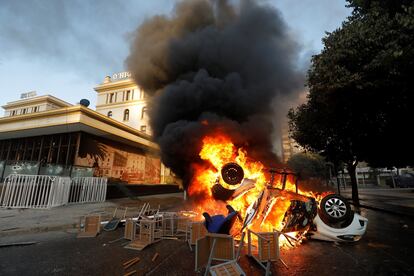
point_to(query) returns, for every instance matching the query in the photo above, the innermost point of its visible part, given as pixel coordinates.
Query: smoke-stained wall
(215, 66)
(118, 161)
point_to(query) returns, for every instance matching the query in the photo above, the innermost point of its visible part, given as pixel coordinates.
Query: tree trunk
(352, 173)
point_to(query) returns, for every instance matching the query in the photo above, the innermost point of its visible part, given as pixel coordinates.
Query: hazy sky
(66, 47)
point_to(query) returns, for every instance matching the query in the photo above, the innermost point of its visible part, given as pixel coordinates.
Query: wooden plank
(130, 273)
(155, 257)
(136, 260)
(129, 261)
(137, 245)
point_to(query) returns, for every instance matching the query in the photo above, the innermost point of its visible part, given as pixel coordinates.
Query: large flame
(219, 150)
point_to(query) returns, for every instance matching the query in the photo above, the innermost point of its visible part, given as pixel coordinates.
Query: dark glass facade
(48, 154)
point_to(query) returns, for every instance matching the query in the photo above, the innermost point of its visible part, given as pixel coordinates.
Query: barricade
(88, 189)
(34, 191)
(45, 191)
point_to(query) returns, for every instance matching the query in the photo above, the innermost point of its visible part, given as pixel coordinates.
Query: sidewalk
(395, 201)
(18, 221)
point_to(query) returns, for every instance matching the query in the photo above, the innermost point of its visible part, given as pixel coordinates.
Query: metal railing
(34, 191)
(87, 189)
(44, 191)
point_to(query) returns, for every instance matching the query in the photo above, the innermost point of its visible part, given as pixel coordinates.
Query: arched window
(144, 112)
(126, 115)
(109, 114)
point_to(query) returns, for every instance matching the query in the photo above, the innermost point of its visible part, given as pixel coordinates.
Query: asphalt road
(386, 249)
(397, 201)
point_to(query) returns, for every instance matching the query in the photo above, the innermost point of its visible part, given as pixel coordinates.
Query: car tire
(232, 173)
(221, 193)
(334, 209)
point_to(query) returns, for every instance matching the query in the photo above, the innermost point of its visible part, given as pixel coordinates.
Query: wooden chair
(219, 247)
(231, 268)
(196, 230)
(116, 219)
(91, 226)
(169, 223)
(130, 229)
(267, 249)
(150, 231)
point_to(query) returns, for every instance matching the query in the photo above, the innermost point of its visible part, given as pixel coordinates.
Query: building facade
(73, 140)
(31, 103)
(121, 99)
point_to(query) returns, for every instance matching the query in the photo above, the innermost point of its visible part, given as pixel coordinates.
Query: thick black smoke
(214, 66)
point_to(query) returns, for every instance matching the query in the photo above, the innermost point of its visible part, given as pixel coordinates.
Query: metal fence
(87, 189)
(34, 191)
(44, 191)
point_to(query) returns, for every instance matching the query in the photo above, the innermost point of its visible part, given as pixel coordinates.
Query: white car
(331, 219)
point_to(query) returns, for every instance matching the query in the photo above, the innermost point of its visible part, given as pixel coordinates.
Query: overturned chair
(91, 226)
(267, 249)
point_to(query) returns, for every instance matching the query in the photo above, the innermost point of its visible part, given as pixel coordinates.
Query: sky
(65, 48)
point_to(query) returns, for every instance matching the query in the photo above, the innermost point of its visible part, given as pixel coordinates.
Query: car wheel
(334, 208)
(232, 173)
(221, 193)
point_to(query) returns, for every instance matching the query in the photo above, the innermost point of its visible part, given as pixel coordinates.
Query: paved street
(398, 201)
(17, 221)
(386, 249)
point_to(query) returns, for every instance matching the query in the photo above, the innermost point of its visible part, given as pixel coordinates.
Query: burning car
(327, 218)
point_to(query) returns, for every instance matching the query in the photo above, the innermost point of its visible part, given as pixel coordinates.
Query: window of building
(111, 97)
(13, 113)
(126, 115)
(23, 111)
(128, 95)
(143, 128)
(144, 112)
(35, 109)
(109, 114)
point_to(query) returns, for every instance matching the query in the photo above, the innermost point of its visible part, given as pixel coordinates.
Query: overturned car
(329, 218)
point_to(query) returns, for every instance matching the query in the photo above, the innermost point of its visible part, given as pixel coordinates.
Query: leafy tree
(308, 165)
(360, 92)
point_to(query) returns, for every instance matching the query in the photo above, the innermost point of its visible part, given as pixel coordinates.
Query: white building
(31, 103)
(120, 98)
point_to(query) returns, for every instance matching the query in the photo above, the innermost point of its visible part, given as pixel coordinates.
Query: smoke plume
(214, 66)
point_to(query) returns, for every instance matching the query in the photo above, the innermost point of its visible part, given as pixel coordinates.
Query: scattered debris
(91, 227)
(228, 268)
(116, 219)
(130, 273)
(156, 255)
(131, 262)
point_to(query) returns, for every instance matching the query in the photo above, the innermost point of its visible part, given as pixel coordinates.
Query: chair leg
(268, 268)
(240, 246)
(210, 258)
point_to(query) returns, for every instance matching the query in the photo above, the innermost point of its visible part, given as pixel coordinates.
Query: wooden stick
(130, 273)
(18, 243)
(155, 257)
(130, 260)
(131, 263)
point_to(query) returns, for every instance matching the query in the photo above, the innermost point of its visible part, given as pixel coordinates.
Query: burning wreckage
(260, 205)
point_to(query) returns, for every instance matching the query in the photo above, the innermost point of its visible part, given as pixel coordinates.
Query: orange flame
(219, 150)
